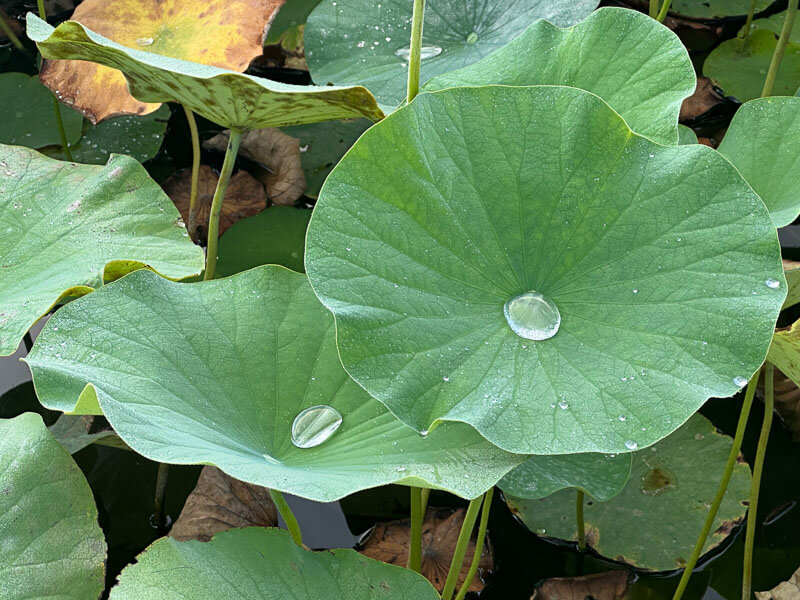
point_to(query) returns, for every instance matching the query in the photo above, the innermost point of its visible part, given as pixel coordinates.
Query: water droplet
(532, 316)
(314, 425)
(631, 445)
(445, 379)
(772, 283)
(635, 291)
(144, 41)
(563, 405)
(401, 469)
(472, 38)
(622, 418)
(740, 381)
(428, 51)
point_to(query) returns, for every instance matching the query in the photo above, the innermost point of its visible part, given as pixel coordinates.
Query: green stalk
(758, 468)
(426, 493)
(780, 48)
(580, 523)
(653, 8)
(161, 489)
(662, 15)
(417, 517)
(12, 37)
(216, 203)
(723, 486)
(288, 516)
(744, 33)
(476, 558)
(191, 225)
(461, 548)
(415, 49)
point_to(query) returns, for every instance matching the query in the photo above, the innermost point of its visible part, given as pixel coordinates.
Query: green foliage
(715, 9)
(656, 257)
(52, 546)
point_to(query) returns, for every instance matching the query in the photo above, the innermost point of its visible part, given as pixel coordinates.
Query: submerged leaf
(52, 546)
(255, 563)
(226, 34)
(656, 259)
(653, 523)
(231, 99)
(351, 42)
(182, 392)
(66, 227)
(600, 586)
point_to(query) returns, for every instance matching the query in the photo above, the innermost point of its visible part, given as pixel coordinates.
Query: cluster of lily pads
(527, 276)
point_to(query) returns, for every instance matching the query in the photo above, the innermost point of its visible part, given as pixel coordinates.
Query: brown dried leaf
(222, 33)
(601, 586)
(244, 197)
(219, 502)
(787, 590)
(278, 153)
(787, 401)
(705, 98)
(388, 542)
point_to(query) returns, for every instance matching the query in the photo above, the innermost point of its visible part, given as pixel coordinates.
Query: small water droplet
(635, 291)
(144, 41)
(772, 283)
(427, 51)
(445, 379)
(401, 469)
(622, 418)
(314, 425)
(740, 381)
(631, 445)
(472, 38)
(563, 405)
(532, 316)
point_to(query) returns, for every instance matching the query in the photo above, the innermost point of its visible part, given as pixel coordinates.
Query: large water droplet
(740, 381)
(144, 41)
(631, 445)
(772, 283)
(314, 425)
(532, 316)
(427, 51)
(472, 38)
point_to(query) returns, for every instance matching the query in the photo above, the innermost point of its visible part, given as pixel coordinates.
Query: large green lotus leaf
(768, 127)
(628, 59)
(65, 225)
(654, 522)
(52, 546)
(602, 476)
(291, 15)
(137, 136)
(26, 112)
(216, 372)
(740, 67)
(350, 42)
(657, 258)
(715, 9)
(255, 564)
(231, 99)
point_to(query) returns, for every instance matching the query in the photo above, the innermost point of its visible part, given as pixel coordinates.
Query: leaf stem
(653, 8)
(723, 486)
(216, 203)
(161, 490)
(758, 468)
(580, 522)
(191, 225)
(288, 516)
(415, 544)
(461, 548)
(476, 557)
(662, 14)
(780, 48)
(415, 49)
(744, 33)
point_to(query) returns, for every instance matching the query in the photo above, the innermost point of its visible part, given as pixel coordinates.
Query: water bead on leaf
(314, 425)
(425, 52)
(532, 316)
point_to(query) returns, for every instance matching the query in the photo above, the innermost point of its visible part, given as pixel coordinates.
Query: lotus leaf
(52, 546)
(350, 42)
(686, 135)
(67, 226)
(656, 262)
(26, 112)
(653, 523)
(715, 9)
(231, 99)
(232, 566)
(291, 15)
(768, 127)
(218, 371)
(223, 33)
(600, 475)
(628, 59)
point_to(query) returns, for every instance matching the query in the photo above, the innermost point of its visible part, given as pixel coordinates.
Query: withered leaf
(600, 586)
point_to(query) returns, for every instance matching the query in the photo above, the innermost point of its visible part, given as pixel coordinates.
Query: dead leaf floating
(219, 502)
(601, 586)
(278, 154)
(244, 197)
(788, 590)
(388, 542)
(221, 33)
(706, 96)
